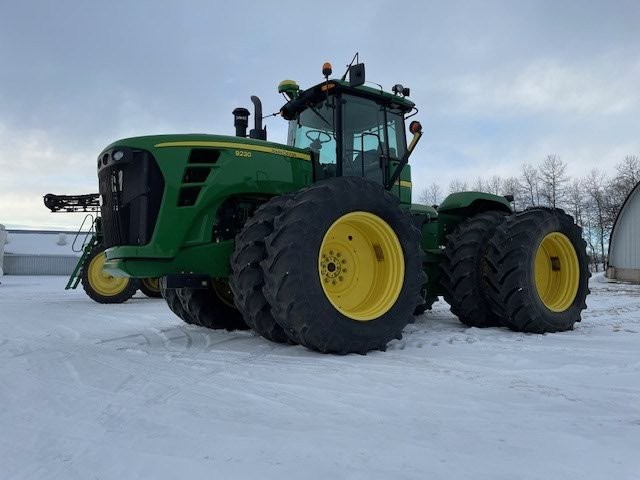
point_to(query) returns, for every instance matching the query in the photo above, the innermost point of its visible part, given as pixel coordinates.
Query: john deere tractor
(316, 241)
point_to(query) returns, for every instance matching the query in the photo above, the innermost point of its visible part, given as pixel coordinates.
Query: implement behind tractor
(98, 284)
(316, 241)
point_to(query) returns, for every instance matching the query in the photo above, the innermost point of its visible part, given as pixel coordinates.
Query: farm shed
(40, 252)
(624, 244)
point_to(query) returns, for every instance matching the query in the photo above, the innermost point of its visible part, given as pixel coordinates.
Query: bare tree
(479, 185)
(576, 200)
(432, 195)
(494, 185)
(512, 186)
(589, 233)
(627, 177)
(554, 180)
(629, 171)
(597, 209)
(530, 185)
(457, 185)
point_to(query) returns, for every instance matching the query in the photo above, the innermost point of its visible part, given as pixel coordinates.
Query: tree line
(594, 199)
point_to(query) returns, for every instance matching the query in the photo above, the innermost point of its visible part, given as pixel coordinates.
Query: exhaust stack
(257, 132)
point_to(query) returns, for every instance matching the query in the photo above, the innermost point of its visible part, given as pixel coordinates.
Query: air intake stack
(241, 121)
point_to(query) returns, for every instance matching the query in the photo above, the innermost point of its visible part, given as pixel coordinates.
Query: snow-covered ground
(129, 391)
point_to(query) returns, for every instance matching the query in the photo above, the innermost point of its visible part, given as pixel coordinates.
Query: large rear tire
(538, 271)
(246, 280)
(463, 267)
(102, 287)
(344, 267)
(212, 307)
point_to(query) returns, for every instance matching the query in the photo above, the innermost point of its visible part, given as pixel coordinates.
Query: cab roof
(332, 87)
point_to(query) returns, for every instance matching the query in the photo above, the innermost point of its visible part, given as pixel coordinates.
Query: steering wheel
(320, 134)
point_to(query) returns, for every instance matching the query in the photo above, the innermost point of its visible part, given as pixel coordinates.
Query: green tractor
(316, 242)
(99, 285)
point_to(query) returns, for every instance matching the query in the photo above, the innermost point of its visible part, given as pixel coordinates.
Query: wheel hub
(333, 266)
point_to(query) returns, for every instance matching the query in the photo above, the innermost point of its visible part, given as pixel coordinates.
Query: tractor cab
(351, 129)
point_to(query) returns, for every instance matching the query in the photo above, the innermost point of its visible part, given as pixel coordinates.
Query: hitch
(185, 280)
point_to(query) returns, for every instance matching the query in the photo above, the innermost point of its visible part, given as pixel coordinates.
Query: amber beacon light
(327, 69)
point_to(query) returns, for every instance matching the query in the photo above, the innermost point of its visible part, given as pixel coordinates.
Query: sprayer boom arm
(72, 203)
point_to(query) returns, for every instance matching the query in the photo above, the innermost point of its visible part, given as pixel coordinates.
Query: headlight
(118, 155)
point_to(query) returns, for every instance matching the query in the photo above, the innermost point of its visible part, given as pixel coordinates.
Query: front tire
(174, 303)
(538, 271)
(102, 287)
(344, 267)
(212, 307)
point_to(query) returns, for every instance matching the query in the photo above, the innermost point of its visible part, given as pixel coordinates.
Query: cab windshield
(314, 129)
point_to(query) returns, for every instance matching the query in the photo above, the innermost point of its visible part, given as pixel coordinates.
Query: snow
(129, 391)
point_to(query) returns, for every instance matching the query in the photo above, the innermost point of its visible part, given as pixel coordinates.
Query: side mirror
(416, 129)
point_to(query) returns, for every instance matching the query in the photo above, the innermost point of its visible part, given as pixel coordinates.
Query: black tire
(246, 280)
(174, 303)
(511, 273)
(150, 287)
(463, 266)
(103, 288)
(212, 307)
(292, 281)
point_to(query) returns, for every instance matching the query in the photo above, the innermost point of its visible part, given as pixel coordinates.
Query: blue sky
(498, 83)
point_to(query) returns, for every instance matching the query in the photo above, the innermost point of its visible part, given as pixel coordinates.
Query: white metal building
(624, 244)
(3, 240)
(40, 252)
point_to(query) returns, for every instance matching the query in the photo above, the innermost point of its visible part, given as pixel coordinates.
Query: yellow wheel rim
(152, 283)
(557, 272)
(361, 266)
(101, 282)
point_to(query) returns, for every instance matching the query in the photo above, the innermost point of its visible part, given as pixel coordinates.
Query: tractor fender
(459, 206)
(466, 204)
